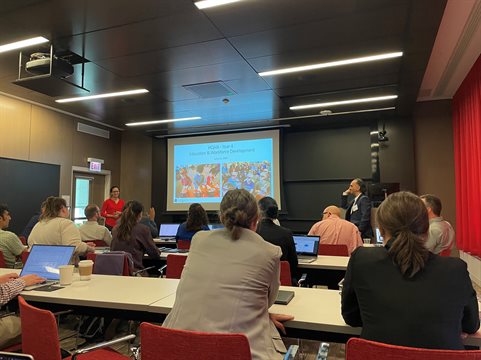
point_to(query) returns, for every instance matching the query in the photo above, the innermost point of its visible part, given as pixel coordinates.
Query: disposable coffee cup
(367, 240)
(66, 274)
(85, 269)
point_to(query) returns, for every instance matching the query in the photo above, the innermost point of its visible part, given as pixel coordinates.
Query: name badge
(354, 208)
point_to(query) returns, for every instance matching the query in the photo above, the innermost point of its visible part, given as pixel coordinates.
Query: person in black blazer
(358, 211)
(276, 234)
(402, 294)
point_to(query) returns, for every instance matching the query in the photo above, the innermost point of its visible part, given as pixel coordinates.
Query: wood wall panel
(14, 128)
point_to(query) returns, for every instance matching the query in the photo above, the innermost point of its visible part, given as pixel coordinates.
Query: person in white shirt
(55, 228)
(91, 230)
(441, 234)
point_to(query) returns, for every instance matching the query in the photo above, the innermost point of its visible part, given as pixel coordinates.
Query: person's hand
(152, 214)
(32, 279)
(117, 214)
(347, 192)
(278, 320)
(7, 277)
(91, 244)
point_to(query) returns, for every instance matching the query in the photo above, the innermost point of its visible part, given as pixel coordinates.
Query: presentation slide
(202, 169)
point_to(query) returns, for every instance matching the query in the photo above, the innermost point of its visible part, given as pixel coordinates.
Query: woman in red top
(112, 208)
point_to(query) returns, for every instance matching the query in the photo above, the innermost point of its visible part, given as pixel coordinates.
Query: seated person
(149, 221)
(277, 235)
(230, 279)
(132, 237)
(196, 220)
(32, 222)
(441, 234)
(401, 293)
(10, 286)
(91, 230)
(55, 228)
(10, 244)
(334, 230)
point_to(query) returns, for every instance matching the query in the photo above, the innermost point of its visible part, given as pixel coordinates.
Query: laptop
(215, 226)
(44, 261)
(168, 231)
(14, 356)
(284, 297)
(306, 248)
(379, 239)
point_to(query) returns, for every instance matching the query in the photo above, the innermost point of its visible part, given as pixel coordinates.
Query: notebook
(168, 231)
(306, 248)
(44, 261)
(284, 297)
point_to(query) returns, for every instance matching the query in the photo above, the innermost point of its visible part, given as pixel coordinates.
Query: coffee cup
(66, 274)
(85, 268)
(366, 240)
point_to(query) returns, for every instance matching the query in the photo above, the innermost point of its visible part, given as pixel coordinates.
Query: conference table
(317, 312)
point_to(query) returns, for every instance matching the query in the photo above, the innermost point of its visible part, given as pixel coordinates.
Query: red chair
(98, 243)
(175, 266)
(183, 244)
(40, 337)
(286, 279)
(333, 250)
(360, 349)
(24, 256)
(23, 239)
(447, 252)
(191, 345)
(3, 264)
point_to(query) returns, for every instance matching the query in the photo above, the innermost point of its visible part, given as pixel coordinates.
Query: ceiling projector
(39, 64)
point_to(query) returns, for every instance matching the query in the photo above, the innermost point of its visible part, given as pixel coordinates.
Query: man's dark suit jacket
(429, 310)
(281, 237)
(362, 216)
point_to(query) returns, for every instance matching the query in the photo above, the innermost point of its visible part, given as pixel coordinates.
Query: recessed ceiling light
(211, 3)
(23, 43)
(332, 64)
(101, 96)
(343, 102)
(153, 122)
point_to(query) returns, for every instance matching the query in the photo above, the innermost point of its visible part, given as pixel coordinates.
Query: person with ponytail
(402, 294)
(230, 279)
(130, 236)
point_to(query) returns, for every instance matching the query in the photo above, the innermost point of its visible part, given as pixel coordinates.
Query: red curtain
(467, 158)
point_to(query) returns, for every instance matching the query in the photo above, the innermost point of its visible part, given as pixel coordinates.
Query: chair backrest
(191, 345)
(183, 244)
(445, 252)
(286, 279)
(360, 349)
(111, 263)
(3, 264)
(24, 256)
(23, 239)
(39, 332)
(175, 265)
(333, 249)
(99, 243)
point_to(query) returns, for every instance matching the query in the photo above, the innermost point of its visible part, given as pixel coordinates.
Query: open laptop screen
(168, 229)
(306, 244)
(379, 239)
(44, 260)
(216, 226)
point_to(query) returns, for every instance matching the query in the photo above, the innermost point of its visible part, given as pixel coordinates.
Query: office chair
(360, 349)
(174, 267)
(183, 244)
(333, 250)
(191, 345)
(40, 338)
(286, 279)
(3, 264)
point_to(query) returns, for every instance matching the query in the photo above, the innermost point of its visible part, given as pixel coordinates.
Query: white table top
(160, 241)
(327, 262)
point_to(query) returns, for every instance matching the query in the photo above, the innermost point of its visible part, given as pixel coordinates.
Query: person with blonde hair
(401, 293)
(55, 228)
(230, 279)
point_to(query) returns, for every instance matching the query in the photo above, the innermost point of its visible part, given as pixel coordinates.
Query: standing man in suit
(358, 211)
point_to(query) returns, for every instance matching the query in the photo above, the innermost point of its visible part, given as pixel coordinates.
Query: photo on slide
(197, 181)
(255, 177)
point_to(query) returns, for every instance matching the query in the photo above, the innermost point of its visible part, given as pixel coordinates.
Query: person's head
(268, 207)
(404, 218)
(196, 217)
(330, 211)
(131, 215)
(357, 187)
(92, 212)
(114, 192)
(4, 216)
(238, 209)
(433, 205)
(55, 207)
